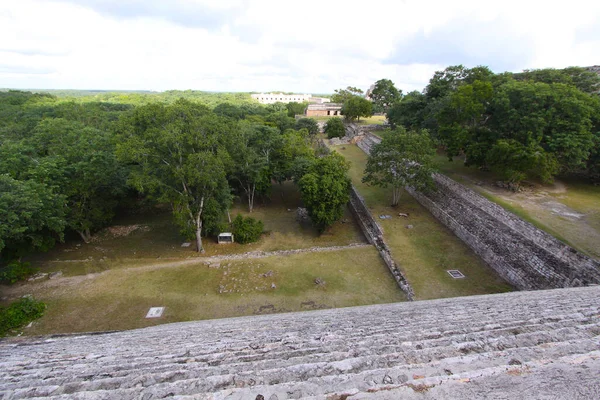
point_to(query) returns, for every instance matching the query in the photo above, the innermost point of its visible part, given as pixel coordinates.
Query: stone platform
(541, 344)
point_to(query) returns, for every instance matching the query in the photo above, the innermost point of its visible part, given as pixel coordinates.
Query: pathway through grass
(119, 298)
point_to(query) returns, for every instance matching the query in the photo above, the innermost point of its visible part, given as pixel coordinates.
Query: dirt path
(79, 279)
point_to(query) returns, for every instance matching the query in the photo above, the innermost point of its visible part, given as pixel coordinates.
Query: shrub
(335, 128)
(16, 271)
(20, 313)
(246, 230)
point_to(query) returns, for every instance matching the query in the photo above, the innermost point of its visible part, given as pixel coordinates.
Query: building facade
(323, 109)
(270, 98)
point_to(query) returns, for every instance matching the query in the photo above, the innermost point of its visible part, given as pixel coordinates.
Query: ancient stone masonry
(374, 234)
(522, 254)
(518, 345)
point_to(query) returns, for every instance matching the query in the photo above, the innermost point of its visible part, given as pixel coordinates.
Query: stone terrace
(541, 344)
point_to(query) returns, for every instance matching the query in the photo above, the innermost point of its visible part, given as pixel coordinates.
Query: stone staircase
(512, 345)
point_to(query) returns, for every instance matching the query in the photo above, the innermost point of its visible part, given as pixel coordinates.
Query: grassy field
(119, 298)
(427, 250)
(568, 209)
(157, 238)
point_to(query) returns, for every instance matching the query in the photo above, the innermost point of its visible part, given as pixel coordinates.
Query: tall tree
(403, 158)
(180, 158)
(342, 95)
(356, 107)
(384, 95)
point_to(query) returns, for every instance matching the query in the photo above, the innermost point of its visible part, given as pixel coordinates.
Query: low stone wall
(374, 235)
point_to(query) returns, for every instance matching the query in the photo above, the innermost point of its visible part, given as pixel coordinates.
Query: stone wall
(522, 254)
(374, 235)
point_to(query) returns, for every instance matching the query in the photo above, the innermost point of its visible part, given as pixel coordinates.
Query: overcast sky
(302, 46)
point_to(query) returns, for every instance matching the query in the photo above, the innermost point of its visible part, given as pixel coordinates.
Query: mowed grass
(158, 239)
(429, 249)
(537, 204)
(120, 298)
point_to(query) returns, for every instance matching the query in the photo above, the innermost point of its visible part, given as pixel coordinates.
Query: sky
(303, 46)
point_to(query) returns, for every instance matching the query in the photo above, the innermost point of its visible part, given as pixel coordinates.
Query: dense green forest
(534, 124)
(68, 165)
(69, 161)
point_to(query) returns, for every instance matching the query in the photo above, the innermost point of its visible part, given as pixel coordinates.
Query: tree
(33, 217)
(180, 158)
(325, 190)
(295, 108)
(408, 112)
(252, 155)
(384, 95)
(309, 124)
(335, 127)
(342, 95)
(356, 107)
(81, 162)
(403, 158)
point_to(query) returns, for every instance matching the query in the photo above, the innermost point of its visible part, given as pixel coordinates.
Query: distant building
(270, 98)
(319, 100)
(323, 109)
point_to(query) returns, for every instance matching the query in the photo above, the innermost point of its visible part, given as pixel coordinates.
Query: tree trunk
(395, 196)
(251, 198)
(85, 235)
(228, 216)
(199, 247)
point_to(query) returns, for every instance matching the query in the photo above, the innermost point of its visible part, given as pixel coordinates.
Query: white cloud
(310, 46)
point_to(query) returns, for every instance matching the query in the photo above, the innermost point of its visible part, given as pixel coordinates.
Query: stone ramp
(542, 343)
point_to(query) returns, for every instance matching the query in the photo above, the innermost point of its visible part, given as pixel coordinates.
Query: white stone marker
(155, 312)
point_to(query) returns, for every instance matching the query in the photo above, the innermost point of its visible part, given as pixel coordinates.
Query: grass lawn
(120, 298)
(568, 209)
(157, 238)
(429, 249)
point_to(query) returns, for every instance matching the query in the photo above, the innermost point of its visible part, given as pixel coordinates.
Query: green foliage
(401, 159)
(309, 124)
(20, 313)
(343, 95)
(32, 216)
(294, 108)
(409, 112)
(356, 107)
(180, 157)
(582, 79)
(246, 230)
(16, 271)
(335, 128)
(325, 190)
(384, 95)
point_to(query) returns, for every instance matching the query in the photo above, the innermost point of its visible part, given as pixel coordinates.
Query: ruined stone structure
(374, 235)
(522, 254)
(270, 98)
(518, 345)
(324, 109)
